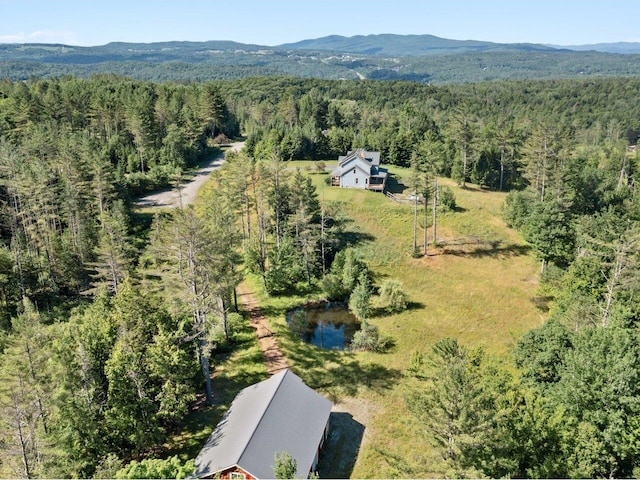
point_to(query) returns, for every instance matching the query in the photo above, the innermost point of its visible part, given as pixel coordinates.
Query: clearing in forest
(479, 286)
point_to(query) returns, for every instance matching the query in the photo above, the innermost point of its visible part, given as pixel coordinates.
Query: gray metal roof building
(280, 413)
(371, 157)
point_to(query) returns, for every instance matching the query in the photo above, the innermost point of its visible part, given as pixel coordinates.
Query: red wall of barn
(226, 474)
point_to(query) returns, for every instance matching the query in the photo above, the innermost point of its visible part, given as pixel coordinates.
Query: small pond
(326, 325)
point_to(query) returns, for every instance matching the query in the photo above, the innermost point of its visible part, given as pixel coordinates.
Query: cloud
(41, 36)
(12, 38)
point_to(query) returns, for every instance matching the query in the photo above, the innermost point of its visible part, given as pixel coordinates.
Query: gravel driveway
(188, 191)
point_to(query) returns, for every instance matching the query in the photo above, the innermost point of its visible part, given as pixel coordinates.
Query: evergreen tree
(360, 299)
(455, 406)
(25, 395)
(550, 231)
(286, 467)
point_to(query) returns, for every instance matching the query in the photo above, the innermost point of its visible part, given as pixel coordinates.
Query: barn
(278, 414)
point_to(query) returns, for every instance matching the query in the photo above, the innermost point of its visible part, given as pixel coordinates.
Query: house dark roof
(280, 413)
(369, 163)
(372, 157)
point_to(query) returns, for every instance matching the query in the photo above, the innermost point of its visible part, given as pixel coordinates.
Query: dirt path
(188, 191)
(186, 195)
(274, 357)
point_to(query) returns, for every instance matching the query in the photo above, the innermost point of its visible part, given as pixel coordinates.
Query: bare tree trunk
(36, 387)
(501, 169)
(464, 166)
(435, 210)
(613, 282)
(322, 242)
(424, 230)
(415, 221)
(223, 315)
(206, 369)
(248, 208)
(22, 440)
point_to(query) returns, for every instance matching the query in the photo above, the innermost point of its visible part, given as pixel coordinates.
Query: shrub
(392, 295)
(368, 338)
(171, 467)
(417, 364)
(332, 287)
(517, 209)
(447, 199)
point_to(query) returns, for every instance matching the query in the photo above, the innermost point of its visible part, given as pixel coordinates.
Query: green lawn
(478, 286)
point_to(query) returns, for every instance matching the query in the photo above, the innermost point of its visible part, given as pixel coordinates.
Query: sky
(274, 22)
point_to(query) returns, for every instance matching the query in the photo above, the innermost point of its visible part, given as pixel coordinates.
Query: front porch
(377, 183)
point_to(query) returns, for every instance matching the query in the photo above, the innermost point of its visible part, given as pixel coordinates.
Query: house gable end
(233, 472)
(356, 162)
(360, 169)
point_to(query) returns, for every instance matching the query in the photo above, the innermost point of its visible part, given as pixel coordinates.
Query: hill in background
(406, 45)
(422, 58)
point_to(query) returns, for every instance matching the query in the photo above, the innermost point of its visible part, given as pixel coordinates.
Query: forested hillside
(110, 318)
(421, 58)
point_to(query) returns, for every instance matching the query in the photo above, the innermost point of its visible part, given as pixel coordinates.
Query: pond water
(326, 325)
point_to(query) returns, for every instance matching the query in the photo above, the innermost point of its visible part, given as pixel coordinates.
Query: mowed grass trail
(478, 286)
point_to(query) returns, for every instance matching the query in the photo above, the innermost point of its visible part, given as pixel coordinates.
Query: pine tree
(286, 467)
(454, 406)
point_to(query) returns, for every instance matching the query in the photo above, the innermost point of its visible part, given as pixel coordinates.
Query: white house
(360, 169)
(278, 414)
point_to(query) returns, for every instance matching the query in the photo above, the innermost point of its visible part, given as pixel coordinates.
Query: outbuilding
(276, 415)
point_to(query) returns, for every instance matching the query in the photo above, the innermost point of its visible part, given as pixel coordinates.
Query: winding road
(188, 191)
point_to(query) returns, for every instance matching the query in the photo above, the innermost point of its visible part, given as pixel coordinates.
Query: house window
(354, 170)
(366, 180)
(356, 180)
(237, 476)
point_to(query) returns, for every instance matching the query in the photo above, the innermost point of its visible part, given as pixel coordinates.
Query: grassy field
(479, 286)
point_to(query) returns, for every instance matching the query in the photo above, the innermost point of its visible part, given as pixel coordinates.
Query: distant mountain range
(406, 45)
(617, 47)
(423, 58)
(418, 45)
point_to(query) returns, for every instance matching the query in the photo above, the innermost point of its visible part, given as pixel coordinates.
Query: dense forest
(417, 58)
(109, 318)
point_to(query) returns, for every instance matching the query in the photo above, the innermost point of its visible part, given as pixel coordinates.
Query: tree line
(177, 62)
(96, 368)
(481, 133)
